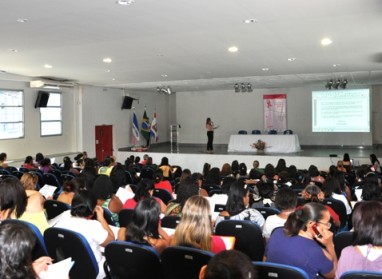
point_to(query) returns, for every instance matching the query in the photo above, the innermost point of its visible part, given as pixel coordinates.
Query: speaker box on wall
(127, 102)
(42, 99)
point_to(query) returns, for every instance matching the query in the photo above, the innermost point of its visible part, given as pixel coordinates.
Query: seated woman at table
(366, 250)
(195, 227)
(306, 233)
(237, 207)
(145, 227)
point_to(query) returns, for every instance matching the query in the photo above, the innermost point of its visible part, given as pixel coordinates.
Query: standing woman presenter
(210, 134)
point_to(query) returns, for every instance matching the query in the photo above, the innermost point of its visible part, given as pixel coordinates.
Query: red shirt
(164, 184)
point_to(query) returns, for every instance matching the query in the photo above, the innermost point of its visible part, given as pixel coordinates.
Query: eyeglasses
(329, 225)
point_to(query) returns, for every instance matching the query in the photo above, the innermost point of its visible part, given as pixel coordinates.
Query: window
(51, 119)
(11, 114)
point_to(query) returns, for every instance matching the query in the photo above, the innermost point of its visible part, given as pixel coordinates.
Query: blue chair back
(288, 132)
(243, 132)
(63, 243)
(54, 208)
(361, 275)
(268, 270)
(267, 211)
(272, 132)
(163, 194)
(256, 132)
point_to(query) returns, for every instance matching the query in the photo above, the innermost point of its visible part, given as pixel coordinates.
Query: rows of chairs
(270, 132)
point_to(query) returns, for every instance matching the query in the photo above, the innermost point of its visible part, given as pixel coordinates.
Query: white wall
(236, 111)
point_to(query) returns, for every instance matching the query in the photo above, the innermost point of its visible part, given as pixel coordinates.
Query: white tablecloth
(273, 143)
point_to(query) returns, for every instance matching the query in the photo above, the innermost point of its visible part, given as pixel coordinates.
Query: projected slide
(341, 111)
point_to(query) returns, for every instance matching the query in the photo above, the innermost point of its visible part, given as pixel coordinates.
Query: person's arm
(41, 264)
(115, 204)
(122, 234)
(326, 240)
(110, 235)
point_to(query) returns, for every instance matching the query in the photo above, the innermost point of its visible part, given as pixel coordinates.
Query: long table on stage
(273, 143)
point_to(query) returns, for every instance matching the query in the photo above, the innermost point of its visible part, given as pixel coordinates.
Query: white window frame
(45, 121)
(4, 123)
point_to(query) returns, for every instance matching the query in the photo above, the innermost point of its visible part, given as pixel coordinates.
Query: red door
(104, 141)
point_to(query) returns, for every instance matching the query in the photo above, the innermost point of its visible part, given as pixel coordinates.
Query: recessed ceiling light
(326, 41)
(113, 79)
(251, 20)
(22, 20)
(107, 60)
(125, 2)
(336, 65)
(107, 71)
(163, 75)
(233, 49)
(265, 69)
(48, 66)
(291, 59)
(14, 50)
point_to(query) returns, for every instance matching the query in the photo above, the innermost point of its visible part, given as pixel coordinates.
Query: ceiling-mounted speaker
(127, 102)
(42, 99)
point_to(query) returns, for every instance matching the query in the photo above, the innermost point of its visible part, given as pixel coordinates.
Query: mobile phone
(314, 228)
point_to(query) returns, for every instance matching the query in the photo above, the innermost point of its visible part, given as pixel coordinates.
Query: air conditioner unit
(50, 84)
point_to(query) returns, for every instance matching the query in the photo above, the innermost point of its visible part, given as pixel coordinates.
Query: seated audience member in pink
(28, 163)
(145, 227)
(145, 189)
(231, 264)
(366, 251)
(195, 227)
(160, 183)
(305, 242)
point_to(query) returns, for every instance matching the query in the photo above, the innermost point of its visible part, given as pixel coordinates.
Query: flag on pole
(145, 128)
(135, 130)
(154, 128)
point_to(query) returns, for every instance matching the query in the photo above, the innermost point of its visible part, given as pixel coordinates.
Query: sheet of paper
(124, 194)
(59, 270)
(47, 190)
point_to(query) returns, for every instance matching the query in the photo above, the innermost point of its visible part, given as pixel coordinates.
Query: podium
(174, 135)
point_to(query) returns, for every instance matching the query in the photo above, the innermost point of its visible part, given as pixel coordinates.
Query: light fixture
(22, 20)
(165, 90)
(125, 2)
(233, 49)
(336, 84)
(251, 20)
(242, 87)
(48, 66)
(326, 41)
(107, 60)
(291, 59)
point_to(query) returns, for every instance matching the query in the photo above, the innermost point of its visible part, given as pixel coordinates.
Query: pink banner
(275, 112)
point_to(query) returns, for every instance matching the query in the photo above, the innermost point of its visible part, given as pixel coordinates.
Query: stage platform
(193, 156)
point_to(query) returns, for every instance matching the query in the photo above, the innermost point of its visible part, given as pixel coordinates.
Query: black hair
(118, 177)
(158, 175)
(243, 169)
(12, 196)
(313, 171)
(235, 202)
(144, 222)
(16, 244)
(39, 157)
(70, 186)
(230, 264)
(269, 171)
(299, 219)
(106, 162)
(186, 189)
(102, 188)
(281, 166)
(164, 161)
(330, 186)
(285, 199)
(266, 189)
(367, 223)
(371, 191)
(213, 177)
(3, 156)
(28, 160)
(83, 204)
(143, 188)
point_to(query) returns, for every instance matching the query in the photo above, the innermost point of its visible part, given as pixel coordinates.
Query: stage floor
(193, 156)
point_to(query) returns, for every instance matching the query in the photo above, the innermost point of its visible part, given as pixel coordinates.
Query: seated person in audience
(226, 170)
(150, 164)
(313, 193)
(118, 178)
(340, 166)
(264, 194)
(103, 191)
(371, 192)
(96, 232)
(166, 168)
(161, 182)
(366, 252)
(13, 198)
(145, 189)
(231, 264)
(16, 245)
(286, 201)
(255, 172)
(347, 162)
(45, 165)
(213, 177)
(145, 227)
(69, 189)
(34, 211)
(281, 166)
(305, 242)
(3, 159)
(237, 207)
(187, 189)
(39, 158)
(198, 178)
(195, 227)
(186, 173)
(107, 166)
(28, 163)
(68, 166)
(315, 174)
(332, 189)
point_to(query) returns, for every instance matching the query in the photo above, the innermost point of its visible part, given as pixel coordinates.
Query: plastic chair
(39, 250)
(41, 181)
(288, 132)
(184, 262)
(249, 238)
(267, 211)
(163, 194)
(54, 208)
(170, 221)
(129, 260)
(129, 178)
(361, 275)
(4, 172)
(272, 132)
(18, 174)
(256, 132)
(268, 270)
(147, 173)
(219, 207)
(65, 177)
(51, 179)
(243, 132)
(342, 240)
(210, 187)
(11, 169)
(339, 208)
(63, 243)
(22, 169)
(125, 216)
